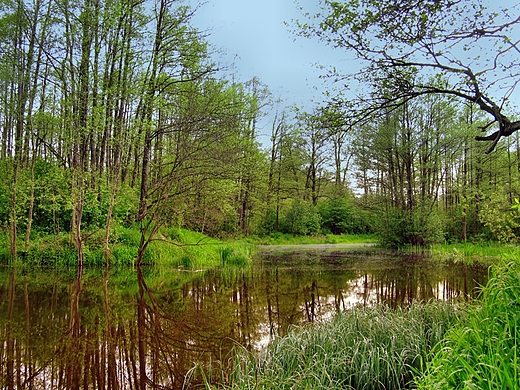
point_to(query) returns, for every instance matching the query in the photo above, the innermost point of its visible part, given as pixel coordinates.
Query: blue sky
(254, 39)
(253, 36)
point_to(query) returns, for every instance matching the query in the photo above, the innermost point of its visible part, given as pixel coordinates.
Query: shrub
(400, 228)
(502, 219)
(301, 219)
(338, 216)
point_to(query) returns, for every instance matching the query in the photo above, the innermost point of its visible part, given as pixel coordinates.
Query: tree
(408, 161)
(103, 103)
(315, 136)
(409, 49)
(257, 97)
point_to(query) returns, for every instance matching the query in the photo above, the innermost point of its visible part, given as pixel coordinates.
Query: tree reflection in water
(146, 328)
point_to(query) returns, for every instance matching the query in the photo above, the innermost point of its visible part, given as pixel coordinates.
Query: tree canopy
(410, 48)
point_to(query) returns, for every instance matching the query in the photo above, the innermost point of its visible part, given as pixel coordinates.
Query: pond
(147, 328)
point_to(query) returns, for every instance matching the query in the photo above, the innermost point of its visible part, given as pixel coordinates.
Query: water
(146, 328)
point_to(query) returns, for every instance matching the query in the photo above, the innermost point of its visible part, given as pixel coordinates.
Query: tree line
(114, 114)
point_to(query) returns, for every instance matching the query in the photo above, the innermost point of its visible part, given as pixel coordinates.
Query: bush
(502, 219)
(399, 229)
(338, 216)
(301, 219)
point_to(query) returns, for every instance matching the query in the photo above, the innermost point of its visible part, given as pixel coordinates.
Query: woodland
(113, 115)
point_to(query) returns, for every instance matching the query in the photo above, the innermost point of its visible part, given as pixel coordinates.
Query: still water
(146, 328)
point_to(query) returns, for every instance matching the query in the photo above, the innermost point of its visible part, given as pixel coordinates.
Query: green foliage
(363, 348)
(483, 351)
(236, 256)
(5, 183)
(213, 212)
(53, 251)
(268, 223)
(174, 247)
(502, 219)
(52, 211)
(468, 252)
(399, 229)
(288, 239)
(338, 216)
(5, 254)
(302, 218)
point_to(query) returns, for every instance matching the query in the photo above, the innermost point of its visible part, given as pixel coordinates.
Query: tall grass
(469, 251)
(483, 351)
(364, 348)
(289, 239)
(236, 255)
(173, 247)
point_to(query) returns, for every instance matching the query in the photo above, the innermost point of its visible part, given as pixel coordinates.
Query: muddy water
(147, 328)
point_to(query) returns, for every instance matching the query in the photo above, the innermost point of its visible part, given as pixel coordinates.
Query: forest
(114, 116)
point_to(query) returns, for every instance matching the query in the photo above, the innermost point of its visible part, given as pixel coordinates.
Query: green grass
(482, 352)
(234, 255)
(364, 348)
(469, 252)
(179, 248)
(288, 239)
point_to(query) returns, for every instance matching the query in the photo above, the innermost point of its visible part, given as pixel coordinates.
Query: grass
(288, 239)
(482, 352)
(179, 248)
(235, 255)
(365, 348)
(478, 251)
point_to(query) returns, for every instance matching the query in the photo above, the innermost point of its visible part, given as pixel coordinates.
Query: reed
(469, 251)
(179, 248)
(236, 255)
(364, 348)
(289, 239)
(483, 351)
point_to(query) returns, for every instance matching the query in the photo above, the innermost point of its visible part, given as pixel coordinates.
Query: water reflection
(146, 328)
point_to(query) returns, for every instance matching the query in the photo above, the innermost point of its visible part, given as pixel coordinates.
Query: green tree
(409, 157)
(469, 50)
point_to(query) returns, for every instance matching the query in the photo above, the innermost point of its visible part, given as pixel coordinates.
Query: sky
(256, 41)
(253, 36)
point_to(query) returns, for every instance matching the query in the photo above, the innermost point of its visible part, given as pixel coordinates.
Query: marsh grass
(289, 239)
(363, 348)
(470, 252)
(174, 247)
(483, 351)
(237, 255)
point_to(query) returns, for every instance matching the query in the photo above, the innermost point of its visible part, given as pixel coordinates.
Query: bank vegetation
(115, 117)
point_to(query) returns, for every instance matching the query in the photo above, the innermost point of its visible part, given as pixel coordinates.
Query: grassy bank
(175, 247)
(288, 239)
(468, 252)
(482, 352)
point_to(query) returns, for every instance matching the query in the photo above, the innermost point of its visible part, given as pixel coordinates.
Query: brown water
(147, 328)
